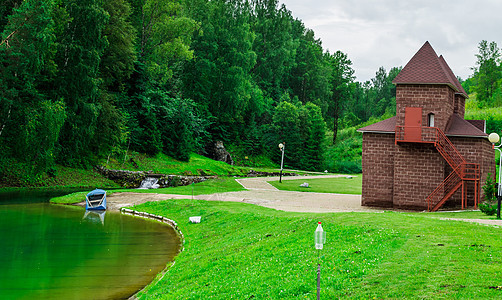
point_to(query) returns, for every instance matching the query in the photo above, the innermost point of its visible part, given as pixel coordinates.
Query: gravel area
(260, 192)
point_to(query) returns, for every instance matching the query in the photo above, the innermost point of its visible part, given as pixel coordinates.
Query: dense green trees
(487, 75)
(86, 79)
(30, 118)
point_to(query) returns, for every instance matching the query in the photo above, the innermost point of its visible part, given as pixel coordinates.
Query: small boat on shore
(96, 200)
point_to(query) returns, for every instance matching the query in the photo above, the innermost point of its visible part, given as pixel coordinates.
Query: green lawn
(340, 185)
(242, 251)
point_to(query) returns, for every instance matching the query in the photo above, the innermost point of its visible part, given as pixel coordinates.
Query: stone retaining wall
(133, 179)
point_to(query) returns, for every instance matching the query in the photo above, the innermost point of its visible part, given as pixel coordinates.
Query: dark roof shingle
(385, 126)
(425, 67)
(457, 126)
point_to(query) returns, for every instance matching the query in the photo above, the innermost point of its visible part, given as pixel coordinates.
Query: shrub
(489, 206)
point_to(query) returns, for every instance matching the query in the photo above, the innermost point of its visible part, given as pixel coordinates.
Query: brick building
(428, 155)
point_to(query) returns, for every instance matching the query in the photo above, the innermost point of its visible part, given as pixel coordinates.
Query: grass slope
(341, 185)
(241, 251)
(64, 177)
(163, 164)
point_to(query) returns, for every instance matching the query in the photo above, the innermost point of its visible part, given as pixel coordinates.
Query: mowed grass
(242, 251)
(338, 185)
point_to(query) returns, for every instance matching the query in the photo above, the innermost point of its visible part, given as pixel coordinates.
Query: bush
(489, 206)
(346, 167)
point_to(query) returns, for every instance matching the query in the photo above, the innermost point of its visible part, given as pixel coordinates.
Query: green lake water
(53, 252)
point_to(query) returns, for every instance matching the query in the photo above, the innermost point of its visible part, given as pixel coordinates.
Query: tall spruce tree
(487, 72)
(342, 75)
(30, 118)
(80, 48)
(218, 79)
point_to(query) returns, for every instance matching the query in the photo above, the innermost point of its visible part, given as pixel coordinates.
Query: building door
(413, 124)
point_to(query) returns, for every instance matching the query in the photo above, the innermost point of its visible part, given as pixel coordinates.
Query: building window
(430, 120)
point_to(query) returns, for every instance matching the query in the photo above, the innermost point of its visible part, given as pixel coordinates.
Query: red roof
(479, 124)
(425, 67)
(385, 126)
(452, 76)
(457, 126)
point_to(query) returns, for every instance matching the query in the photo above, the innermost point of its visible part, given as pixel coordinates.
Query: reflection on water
(96, 216)
(51, 252)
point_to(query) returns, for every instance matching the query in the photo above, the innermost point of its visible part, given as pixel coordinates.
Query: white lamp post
(495, 138)
(320, 239)
(282, 146)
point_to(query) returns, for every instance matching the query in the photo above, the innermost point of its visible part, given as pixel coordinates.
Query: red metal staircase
(462, 173)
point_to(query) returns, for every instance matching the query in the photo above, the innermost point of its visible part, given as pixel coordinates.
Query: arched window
(430, 120)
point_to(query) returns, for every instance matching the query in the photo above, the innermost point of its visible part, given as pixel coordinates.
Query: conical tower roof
(425, 67)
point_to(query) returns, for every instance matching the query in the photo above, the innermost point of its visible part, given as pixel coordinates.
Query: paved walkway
(262, 193)
(261, 183)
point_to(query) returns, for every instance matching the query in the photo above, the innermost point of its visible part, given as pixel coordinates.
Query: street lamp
(320, 239)
(495, 138)
(282, 146)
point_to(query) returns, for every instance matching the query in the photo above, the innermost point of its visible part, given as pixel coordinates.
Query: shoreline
(163, 220)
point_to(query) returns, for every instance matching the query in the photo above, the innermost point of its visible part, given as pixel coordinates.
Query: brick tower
(427, 155)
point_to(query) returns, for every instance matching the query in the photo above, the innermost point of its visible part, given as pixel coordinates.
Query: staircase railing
(435, 136)
(461, 169)
(448, 150)
(443, 191)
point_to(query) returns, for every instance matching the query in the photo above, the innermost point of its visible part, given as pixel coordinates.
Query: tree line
(85, 79)
(486, 80)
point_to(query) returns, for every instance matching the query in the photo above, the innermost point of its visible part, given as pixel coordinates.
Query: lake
(53, 252)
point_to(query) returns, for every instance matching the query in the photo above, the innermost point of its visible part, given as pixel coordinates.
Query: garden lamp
(320, 239)
(495, 138)
(282, 146)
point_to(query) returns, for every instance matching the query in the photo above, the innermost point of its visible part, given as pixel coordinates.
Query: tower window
(430, 120)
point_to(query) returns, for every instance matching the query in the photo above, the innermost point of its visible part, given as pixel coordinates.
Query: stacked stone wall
(436, 99)
(378, 169)
(418, 170)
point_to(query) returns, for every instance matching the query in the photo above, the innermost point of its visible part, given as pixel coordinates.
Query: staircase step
(447, 196)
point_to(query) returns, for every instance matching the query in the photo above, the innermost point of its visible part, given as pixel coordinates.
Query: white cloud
(389, 32)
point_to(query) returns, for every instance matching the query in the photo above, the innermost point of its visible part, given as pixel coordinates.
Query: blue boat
(96, 200)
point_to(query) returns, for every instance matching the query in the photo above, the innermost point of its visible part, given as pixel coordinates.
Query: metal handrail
(436, 136)
(446, 187)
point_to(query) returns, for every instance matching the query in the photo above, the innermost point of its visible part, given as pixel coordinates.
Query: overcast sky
(375, 33)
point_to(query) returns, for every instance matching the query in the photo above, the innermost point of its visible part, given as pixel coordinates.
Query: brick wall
(403, 175)
(459, 107)
(477, 150)
(378, 169)
(418, 170)
(436, 99)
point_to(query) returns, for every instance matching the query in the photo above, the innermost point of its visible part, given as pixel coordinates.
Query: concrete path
(262, 193)
(261, 183)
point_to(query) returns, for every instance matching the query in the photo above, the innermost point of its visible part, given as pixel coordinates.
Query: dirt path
(260, 192)
(261, 183)
(479, 221)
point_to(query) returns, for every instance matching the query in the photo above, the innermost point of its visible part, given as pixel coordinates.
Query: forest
(85, 80)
